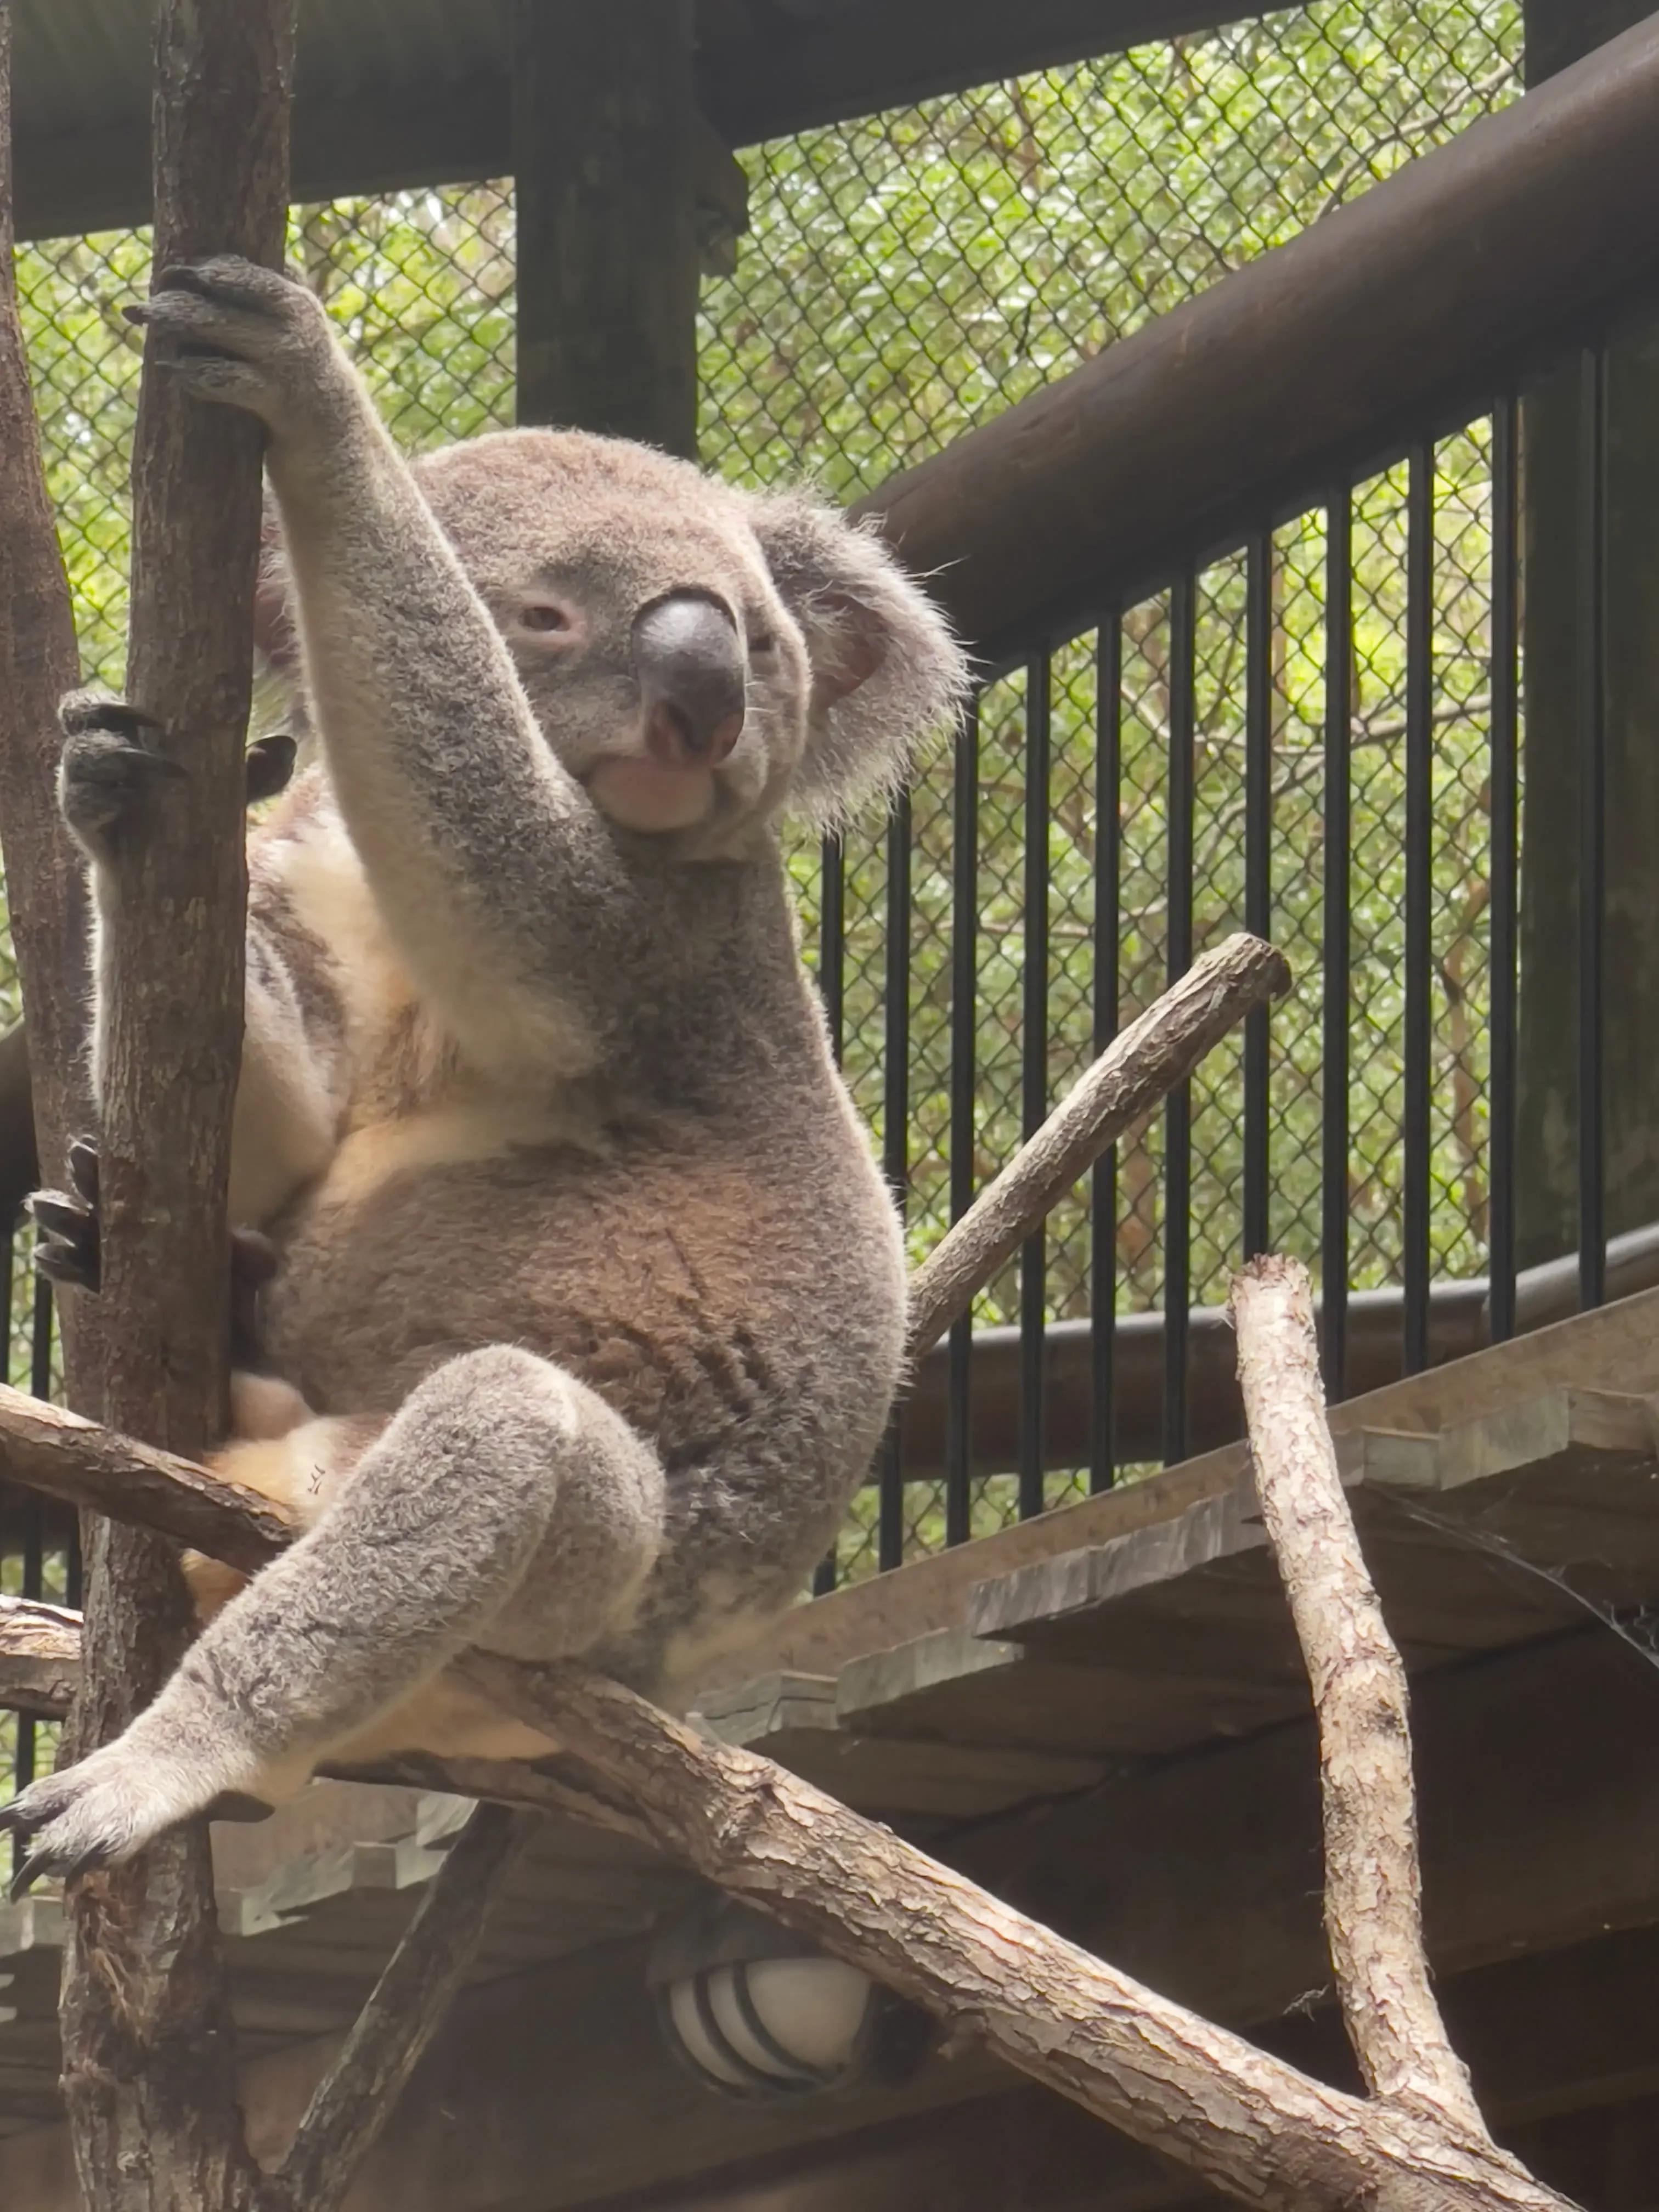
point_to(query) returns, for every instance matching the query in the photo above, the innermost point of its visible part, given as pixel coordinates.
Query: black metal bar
(1420, 771)
(1034, 1078)
(832, 990)
(964, 1003)
(1258, 867)
(1178, 1111)
(1334, 1143)
(832, 942)
(895, 1133)
(34, 1514)
(1102, 1185)
(1504, 688)
(1592, 831)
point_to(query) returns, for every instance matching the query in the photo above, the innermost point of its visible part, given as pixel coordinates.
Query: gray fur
(576, 1220)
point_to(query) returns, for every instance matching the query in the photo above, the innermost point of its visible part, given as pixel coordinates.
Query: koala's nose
(689, 661)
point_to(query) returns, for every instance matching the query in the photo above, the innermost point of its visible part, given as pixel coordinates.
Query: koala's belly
(695, 1296)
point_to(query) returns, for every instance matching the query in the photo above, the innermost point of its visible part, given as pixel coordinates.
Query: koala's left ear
(886, 670)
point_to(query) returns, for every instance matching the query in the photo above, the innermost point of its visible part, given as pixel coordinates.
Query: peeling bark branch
(1141, 1065)
(40, 1657)
(72, 1459)
(1245, 2123)
(1373, 1882)
(354, 2101)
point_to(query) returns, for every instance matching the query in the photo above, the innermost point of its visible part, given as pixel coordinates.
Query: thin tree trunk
(148, 2057)
(38, 662)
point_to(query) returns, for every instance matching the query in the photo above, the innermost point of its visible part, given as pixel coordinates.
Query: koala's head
(700, 659)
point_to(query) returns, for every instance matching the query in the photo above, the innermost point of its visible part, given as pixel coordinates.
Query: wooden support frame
(606, 140)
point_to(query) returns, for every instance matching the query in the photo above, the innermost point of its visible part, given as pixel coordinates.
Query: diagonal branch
(1244, 2122)
(1373, 1883)
(1142, 1064)
(404, 2012)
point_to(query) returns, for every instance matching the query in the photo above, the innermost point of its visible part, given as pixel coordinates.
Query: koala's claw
(107, 1808)
(54, 1841)
(270, 766)
(68, 1247)
(110, 765)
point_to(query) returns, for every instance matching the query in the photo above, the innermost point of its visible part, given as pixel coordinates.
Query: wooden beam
(1419, 292)
(759, 80)
(856, 58)
(605, 139)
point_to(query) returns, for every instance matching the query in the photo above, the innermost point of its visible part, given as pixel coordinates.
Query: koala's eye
(541, 614)
(762, 642)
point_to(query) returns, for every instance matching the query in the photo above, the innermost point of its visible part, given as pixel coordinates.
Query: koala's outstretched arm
(504, 1504)
(482, 850)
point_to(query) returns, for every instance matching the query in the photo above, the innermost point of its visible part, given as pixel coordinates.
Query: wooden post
(1558, 32)
(149, 2071)
(606, 138)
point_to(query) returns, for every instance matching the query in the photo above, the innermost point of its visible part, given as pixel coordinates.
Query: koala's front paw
(110, 769)
(68, 1246)
(247, 337)
(108, 1807)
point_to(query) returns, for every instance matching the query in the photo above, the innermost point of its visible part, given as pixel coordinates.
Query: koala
(588, 1302)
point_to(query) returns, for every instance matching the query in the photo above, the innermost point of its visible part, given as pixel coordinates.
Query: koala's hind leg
(504, 1504)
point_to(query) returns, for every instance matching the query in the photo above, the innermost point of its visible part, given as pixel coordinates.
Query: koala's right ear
(886, 670)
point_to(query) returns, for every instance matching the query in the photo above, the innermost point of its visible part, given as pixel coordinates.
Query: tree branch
(1244, 2122)
(40, 1657)
(64, 1455)
(1142, 1064)
(1373, 1882)
(355, 2099)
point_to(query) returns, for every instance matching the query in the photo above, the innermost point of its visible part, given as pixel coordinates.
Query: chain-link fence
(906, 277)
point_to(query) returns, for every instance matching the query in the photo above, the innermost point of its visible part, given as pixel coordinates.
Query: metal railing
(1315, 733)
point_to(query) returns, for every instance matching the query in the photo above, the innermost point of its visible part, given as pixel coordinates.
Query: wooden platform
(1098, 1662)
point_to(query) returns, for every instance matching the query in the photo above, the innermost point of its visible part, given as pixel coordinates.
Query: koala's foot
(108, 1807)
(68, 1248)
(110, 768)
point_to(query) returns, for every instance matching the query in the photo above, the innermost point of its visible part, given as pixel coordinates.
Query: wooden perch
(405, 2010)
(1246, 2123)
(1373, 1883)
(1142, 1065)
(40, 1657)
